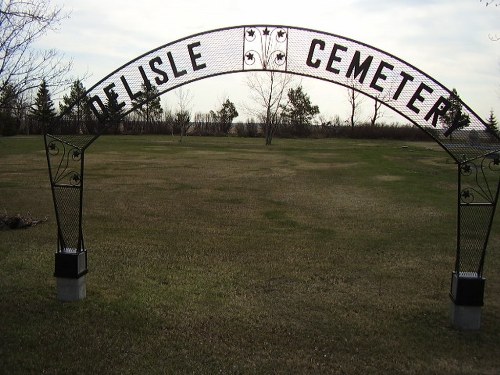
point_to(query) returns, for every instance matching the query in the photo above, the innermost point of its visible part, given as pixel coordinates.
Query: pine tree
(454, 118)
(492, 124)
(8, 98)
(43, 109)
(115, 116)
(74, 107)
(9, 124)
(299, 111)
(149, 105)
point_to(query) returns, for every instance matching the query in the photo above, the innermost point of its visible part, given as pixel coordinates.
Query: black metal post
(66, 166)
(478, 191)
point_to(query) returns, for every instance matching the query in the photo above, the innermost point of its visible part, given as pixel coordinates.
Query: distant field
(221, 255)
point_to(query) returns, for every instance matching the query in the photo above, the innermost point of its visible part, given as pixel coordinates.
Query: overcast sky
(447, 39)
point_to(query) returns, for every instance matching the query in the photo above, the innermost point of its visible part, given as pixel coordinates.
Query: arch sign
(305, 52)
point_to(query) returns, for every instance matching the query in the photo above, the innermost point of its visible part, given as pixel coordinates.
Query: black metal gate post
(66, 165)
(478, 191)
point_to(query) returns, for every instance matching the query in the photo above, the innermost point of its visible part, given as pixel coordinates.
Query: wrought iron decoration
(265, 48)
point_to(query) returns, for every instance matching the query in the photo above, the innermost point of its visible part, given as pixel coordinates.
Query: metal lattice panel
(67, 200)
(474, 228)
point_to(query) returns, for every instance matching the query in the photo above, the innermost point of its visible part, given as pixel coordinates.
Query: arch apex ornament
(416, 96)
(265, 48)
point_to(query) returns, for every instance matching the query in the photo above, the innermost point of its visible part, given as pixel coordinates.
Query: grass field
(221, 255)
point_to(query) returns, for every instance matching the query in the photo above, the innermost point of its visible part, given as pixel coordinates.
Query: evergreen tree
(74, 104)
(9, 125)
(74, 107)
(43, 109)
(149, 104)
(492, 124)
(454, 118)
(226, 116)
(115, 116)
(299, 112)
(8, 97)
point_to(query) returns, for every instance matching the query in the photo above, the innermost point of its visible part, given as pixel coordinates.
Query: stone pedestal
(69, 290)
(466, 318)
(467, 293)
(70, 273)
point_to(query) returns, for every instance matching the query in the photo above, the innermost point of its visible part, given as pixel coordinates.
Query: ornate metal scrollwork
(478, 179)
(265, 46)
(66, 162)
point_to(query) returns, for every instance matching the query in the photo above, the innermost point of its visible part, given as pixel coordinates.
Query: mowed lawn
(222, 255)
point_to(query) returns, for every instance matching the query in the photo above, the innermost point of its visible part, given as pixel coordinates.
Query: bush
(248, 129)
(366, 131)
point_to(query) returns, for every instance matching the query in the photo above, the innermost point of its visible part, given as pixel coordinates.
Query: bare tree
(268, 91)
(377, 113)
(491, 2)
(355, 101)
(183, 114)
(496, 3)
(169, 119)
(22, 66)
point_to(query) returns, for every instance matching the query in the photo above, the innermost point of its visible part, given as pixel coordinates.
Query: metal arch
(306, 52)
(417, 83)
(454, 148)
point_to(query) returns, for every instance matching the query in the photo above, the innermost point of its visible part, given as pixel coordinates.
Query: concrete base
(69, 290)
(466, 318)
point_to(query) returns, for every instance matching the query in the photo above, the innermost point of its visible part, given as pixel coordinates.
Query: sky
(450, 40)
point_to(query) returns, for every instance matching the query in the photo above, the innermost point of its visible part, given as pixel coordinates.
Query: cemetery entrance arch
(305, 52)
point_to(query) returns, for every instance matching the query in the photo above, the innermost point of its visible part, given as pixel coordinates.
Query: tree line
(30, 76)
(291, 115)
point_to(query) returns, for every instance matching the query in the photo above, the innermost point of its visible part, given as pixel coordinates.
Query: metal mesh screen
(67, 200)
(474, 228)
